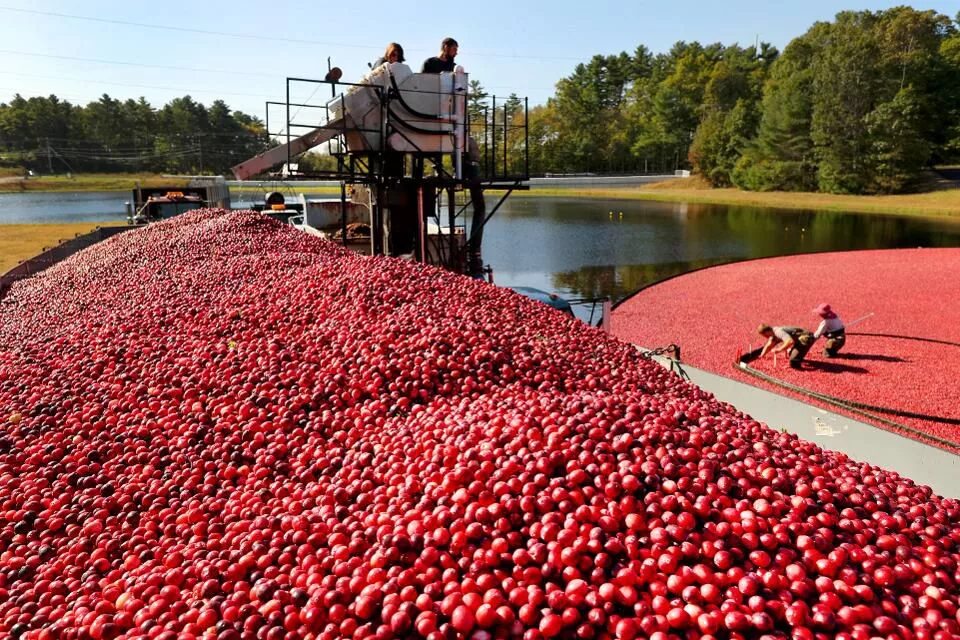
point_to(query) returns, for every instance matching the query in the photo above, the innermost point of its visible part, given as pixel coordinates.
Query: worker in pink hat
(831, 328)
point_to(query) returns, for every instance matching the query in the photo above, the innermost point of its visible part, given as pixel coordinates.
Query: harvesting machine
(411, 158)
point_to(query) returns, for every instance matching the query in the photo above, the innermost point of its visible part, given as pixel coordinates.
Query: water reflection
(591, 248)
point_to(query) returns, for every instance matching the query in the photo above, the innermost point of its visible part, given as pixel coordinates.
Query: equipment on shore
(150, 204)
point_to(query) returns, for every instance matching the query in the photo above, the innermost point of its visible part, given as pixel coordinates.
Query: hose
(860, 408)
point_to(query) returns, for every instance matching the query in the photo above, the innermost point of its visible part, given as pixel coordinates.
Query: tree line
(46, 134)
(862, 104)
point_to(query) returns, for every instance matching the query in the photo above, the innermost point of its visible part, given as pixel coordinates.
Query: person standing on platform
(444, 61)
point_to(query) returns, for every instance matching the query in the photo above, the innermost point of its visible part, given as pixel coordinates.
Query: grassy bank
(942, 203)
(88, 182)
(21, 241)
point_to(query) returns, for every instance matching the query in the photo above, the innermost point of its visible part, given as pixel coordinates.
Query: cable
(258, 37)
(135, 64)
(863, 409)
(141, 86)
(163, 27)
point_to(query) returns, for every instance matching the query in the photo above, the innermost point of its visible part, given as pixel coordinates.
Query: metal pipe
(486, 143)
(493, 140)
(288, 124)
(526, 138)
(421, 225)
(343, 211)
(506, 118)
(451, 220)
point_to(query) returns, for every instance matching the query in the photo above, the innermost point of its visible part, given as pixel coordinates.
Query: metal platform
(416, 149)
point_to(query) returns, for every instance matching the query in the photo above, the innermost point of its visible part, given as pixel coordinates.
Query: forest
(48, 135)
(863, 104)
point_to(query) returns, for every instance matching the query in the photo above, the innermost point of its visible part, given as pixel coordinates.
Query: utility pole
(200, 147)
(49, 158)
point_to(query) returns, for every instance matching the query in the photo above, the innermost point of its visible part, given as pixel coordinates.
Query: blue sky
(73, 49)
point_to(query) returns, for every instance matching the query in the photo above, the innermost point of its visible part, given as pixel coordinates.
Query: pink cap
(824, 311)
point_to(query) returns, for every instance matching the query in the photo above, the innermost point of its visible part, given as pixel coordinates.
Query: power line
(162, 27)
(134, 64)
(257, 37)
(143, 86)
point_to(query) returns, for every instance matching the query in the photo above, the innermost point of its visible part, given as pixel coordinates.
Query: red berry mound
(903, 356)
(217, 427)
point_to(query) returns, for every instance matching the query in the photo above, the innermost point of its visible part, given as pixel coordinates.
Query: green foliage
(730, 113)
(858, 105)
(780, 157)
(897, 150)
(947, 147)
(108, 135)
(313, 163)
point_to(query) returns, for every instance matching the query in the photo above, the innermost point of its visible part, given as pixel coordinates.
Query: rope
(859, 408)
(671, 353)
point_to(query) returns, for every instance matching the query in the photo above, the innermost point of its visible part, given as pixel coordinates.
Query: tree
(588, 104)
(897, 150)
(858, 105)
(948, 144)
(781, 156)
(730, 112)
(109, 135)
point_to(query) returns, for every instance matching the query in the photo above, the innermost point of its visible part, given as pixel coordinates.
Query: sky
(243, 51)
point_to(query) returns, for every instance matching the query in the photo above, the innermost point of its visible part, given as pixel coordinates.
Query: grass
(8, 172)
(89, 182)
(21, 241)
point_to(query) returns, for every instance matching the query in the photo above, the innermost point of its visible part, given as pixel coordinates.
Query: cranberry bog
(902, 356)
(219, 427)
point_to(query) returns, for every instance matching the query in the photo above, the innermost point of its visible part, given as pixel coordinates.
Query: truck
(149, 204)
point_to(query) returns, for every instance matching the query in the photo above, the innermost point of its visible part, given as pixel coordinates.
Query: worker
(444, 61)
(831, 327)
(393, 53)
(794, 340)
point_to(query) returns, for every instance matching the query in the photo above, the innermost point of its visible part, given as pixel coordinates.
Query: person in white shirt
(831, 327)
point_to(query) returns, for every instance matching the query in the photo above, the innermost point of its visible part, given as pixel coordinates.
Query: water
(89, 206)
(586, 248)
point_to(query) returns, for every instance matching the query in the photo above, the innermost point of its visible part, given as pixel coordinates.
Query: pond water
(586, 248)
(591, 248)
(65, 206)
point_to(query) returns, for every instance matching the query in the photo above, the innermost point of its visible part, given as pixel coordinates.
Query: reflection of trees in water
(619, 281)
(690, 236)
(772, 232)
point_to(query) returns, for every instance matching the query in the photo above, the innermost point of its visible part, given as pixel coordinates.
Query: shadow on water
(592, 248)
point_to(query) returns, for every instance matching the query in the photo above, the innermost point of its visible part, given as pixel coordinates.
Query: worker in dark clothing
(831, 327)
(444, 61)
(794, 340)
